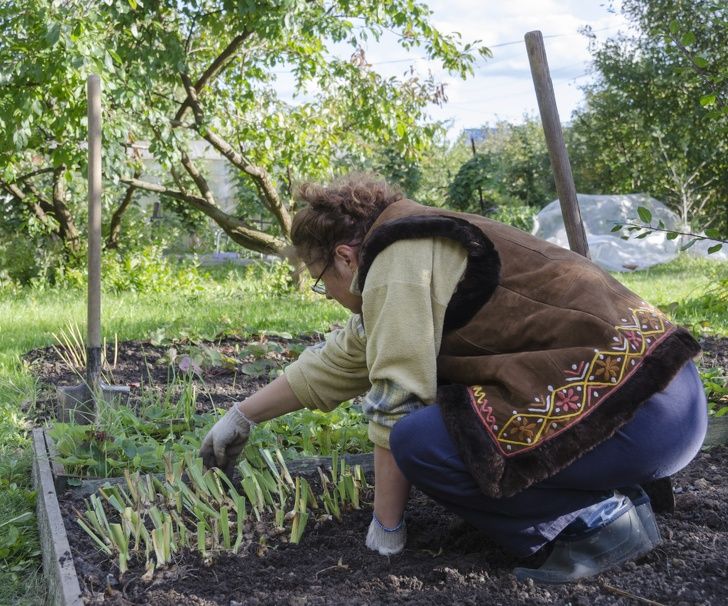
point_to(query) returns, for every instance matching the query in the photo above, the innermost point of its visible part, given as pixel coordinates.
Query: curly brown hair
(339, 213)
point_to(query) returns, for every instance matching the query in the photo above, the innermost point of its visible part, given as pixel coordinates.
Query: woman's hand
(225, 441)
(388, 533)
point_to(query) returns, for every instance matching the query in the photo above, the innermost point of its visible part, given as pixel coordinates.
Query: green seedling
(201, 530)
(162, 542)
(225, 527)
(116, 497)
(95, 537)
(300, 512)
(120, 539)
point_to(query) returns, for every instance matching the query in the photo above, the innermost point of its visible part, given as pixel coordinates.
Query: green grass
(693, 292)
(28, 318)
(686, 289)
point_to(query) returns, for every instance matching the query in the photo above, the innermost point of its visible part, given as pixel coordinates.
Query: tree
(644, 127)
(511, 168)
(206, 69)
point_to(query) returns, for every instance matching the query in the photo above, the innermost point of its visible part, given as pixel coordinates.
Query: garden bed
(445, 562)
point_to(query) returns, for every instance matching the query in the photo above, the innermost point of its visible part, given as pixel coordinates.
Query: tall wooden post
(555, 142)
(93, 319)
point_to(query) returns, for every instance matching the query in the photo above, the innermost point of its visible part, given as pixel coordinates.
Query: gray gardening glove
(386, 541)
(225, 441)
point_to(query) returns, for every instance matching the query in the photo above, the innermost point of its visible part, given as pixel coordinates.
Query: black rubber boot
(578, 556)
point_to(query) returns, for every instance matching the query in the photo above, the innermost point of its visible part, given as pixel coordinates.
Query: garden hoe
(78, 403)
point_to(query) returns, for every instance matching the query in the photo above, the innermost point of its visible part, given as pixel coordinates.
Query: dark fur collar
(481, 275)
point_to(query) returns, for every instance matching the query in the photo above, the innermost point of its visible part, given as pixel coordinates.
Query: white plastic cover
(607, 248)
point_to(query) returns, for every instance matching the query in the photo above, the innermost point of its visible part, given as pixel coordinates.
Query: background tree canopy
(205, 69)
(653, 121)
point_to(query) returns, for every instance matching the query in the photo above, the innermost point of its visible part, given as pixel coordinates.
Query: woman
(511, 380)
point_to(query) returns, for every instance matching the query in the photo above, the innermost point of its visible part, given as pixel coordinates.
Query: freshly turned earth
(446, 561)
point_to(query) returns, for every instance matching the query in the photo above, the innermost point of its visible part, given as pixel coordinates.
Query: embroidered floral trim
(586, 383)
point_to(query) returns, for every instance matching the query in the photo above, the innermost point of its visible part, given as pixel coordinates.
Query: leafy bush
(19, 545)
(516, 215)
(143, 271)
(272, 278)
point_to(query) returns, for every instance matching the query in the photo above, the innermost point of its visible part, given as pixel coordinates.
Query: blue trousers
(663, 437)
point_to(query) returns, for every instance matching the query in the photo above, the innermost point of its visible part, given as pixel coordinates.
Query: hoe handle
(555, 143)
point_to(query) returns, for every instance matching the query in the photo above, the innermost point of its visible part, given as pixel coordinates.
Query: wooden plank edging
(58, 568)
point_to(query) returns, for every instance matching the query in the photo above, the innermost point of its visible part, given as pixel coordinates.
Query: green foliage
(150, 58)
(314, 433)
(521, 217)
(646, 227)
(715, 383)
(643, 128)
(692, 292)
(19, 544)
(698, 45)
(27, 262)
(272, 278)
(136, 439)
(511, 168)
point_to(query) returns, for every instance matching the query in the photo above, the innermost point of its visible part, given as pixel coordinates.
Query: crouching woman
(511, 380)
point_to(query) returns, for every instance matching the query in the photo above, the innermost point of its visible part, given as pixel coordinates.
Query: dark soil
(142, 366)
(446, 561)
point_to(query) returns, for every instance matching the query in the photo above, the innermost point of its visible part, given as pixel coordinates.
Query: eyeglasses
(318, 287)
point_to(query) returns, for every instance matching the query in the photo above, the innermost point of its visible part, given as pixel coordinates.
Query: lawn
(687, 289)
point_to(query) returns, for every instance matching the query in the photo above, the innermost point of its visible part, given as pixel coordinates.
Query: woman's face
(337, 276)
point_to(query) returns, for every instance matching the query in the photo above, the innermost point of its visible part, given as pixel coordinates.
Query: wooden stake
(555, 143)
(93, 360)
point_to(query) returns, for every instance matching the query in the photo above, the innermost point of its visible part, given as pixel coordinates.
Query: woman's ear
(348, 254)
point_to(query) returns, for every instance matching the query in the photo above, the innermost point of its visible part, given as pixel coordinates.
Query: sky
(501, 87)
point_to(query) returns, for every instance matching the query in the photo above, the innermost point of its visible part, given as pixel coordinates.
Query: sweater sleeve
(331, 372)
(407, 290)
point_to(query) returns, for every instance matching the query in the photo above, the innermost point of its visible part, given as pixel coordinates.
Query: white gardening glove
(225, 441)
(386, 541)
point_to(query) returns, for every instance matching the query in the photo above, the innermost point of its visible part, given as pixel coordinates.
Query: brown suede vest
(543, 354)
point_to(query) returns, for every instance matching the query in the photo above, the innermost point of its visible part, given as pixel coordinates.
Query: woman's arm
(273, 400)
(391, 488)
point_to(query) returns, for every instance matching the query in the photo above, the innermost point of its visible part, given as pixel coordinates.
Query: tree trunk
(114, 238)
(67, 226)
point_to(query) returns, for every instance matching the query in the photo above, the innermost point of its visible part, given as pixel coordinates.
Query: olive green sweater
(390, 350)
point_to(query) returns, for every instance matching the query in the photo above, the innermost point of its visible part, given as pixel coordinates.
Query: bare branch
(258, 174)
(238, 230)
(35, 173)
(199, 179)
(35, 206)
(69, 233)
(112, 241)
(214, 69)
